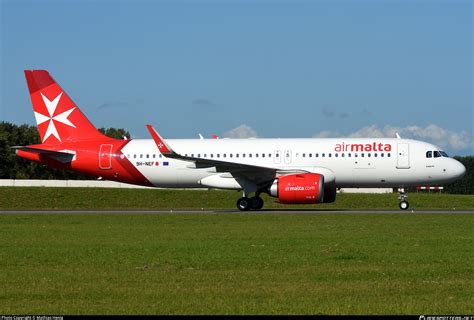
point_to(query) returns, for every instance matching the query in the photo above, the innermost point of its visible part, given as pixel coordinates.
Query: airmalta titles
(355, 147)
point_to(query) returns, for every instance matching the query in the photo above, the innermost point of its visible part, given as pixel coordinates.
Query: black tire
(404, 205)
(256, 203)
(243, 204)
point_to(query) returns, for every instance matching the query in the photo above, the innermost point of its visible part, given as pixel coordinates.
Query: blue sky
(246, 68)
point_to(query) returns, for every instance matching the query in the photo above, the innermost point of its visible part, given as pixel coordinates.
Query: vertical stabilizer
(57, 116)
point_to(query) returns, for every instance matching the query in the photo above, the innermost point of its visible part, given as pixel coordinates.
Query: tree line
(13, 167)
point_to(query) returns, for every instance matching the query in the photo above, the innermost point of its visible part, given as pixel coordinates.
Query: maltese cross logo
(51, 117)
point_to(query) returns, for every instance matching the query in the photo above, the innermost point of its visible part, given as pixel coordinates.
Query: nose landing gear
(403, 199)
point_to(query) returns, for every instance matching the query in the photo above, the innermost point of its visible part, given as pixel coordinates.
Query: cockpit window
(429, 154)
(437, 154)
(444, 154)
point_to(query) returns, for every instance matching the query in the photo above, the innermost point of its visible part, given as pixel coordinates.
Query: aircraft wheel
(256, 203)
(243, 204)
(404, 205)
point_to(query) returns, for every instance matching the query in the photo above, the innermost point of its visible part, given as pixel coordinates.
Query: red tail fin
(57, 117)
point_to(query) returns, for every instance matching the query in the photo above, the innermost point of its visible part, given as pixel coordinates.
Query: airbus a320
(295, 171)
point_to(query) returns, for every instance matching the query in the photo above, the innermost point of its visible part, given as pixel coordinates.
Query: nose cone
(458, 170)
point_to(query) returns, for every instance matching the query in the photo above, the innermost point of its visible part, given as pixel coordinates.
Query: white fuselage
(373, 162)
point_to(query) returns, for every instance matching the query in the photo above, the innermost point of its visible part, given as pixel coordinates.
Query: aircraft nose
(459, 169)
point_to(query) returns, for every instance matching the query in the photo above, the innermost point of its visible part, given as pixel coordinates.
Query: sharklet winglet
(163, 147)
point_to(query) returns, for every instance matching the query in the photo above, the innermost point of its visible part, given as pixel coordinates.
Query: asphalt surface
(223, 211)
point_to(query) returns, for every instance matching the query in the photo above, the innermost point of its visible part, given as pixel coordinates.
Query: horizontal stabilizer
(62, 156)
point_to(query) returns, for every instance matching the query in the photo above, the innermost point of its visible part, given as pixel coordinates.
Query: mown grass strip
(109, 198)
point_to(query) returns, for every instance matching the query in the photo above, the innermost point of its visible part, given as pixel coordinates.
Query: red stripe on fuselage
(133, 175)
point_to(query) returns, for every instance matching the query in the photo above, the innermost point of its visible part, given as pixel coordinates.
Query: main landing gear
(403, 199)
(254, 203)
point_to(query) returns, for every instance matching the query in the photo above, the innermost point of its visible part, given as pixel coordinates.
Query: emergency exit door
(287, 156)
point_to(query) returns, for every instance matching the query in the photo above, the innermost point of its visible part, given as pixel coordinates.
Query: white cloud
(241, 132)
(447, 139)
(327, 134)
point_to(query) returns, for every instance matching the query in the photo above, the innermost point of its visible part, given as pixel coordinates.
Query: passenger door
(403, 156)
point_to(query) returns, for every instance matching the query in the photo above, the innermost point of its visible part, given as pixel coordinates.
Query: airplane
(295, 171)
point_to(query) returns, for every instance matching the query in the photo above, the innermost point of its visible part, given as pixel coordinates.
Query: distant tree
(12, 167)
(466, 184)
(115, 133)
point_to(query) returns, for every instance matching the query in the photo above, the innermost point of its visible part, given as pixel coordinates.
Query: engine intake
(298, 188)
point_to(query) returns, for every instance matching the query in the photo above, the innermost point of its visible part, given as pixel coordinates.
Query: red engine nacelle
(299, 188)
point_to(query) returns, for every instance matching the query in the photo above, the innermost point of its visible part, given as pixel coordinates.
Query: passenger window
(375, 155)
(369, 155)
(236, 155)
(141, 156)
(388, 155)
(256, 155)
(342, 155)
(224, 155)
(355, 155)
(323, 155)
(304, 155)
(199, 155)
(218, 155)
(205, 155)
(250, 155)
(263, 155)
(429, 154)
(310, 155)
(336, 155)
(362, 155)
(134, 156)
(349, 155)
(230, 155)
(243, 155)
(316, 155)
(381, 155)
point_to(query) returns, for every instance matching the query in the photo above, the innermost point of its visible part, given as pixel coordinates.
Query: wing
(260, 176)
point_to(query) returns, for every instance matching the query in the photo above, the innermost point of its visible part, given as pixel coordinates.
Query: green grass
(232, 263)
(103, 198)
(237, 264)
